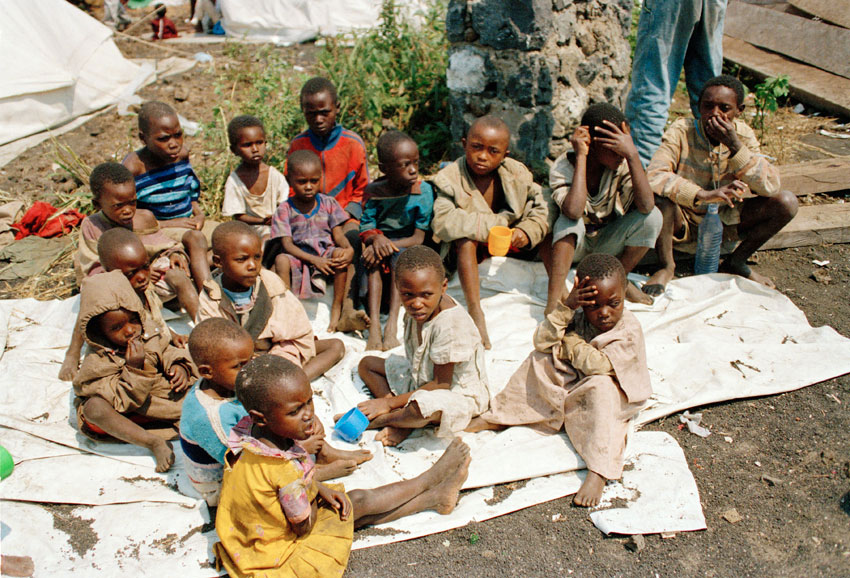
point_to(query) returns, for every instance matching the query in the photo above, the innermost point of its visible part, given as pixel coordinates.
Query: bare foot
(375, 341)
(163, 454)
(590, 491)
(352, 320)
(335, 469)
(447, 492)
(661, 278)
(20, 566)
(635, 295)
(69, 369)
(390, 341)
(392, 436)
(743, 270)
(329, 454)
(481, 324)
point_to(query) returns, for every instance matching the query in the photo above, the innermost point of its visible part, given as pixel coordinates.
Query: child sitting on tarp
(132, 382)
(163, 27)
(588, 375)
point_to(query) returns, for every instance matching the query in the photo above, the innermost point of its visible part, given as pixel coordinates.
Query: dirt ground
(796, 523)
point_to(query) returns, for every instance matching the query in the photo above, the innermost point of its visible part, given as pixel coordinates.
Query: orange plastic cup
(499, 241)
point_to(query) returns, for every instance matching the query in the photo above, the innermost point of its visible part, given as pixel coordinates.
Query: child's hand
(182, 222)
(726, 194)
(179, 378)
(369, 258)
(581, 141)
(383, 247)
(135, 356)
(179, 261)
(156, 275)
(617, 139)
(721, 129)
(323, 265)
(178, 340)
(336, 500)
(342, 257)
(372, 408)
(519, 239)
(197, 221)
(582, 294)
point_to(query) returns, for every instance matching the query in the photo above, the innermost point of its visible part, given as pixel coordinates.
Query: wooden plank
(822, 45)
(814, 225)
(827, 92)
(835, 11)
(824, 176)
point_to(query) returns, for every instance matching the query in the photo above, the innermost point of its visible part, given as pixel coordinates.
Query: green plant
(473, 539)
(767, 95)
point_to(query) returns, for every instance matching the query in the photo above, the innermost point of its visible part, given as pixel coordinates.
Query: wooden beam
(835, 11)
(827, 92)
(814, 225)
(824, 176)
(821, 45)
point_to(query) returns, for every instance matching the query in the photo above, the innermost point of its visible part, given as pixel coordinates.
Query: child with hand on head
(309, 226)
(163, 27)
(254, 190)
(219, 347)
(273, 517)
(132, 375)
(257, 299)
(443, 379)
(167, 185)
(345, 173)
(716, 159)
(479, 191)
(396, 214)
(588, 375)
(606, 203)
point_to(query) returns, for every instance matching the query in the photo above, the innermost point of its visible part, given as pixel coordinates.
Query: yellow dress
(263, 491)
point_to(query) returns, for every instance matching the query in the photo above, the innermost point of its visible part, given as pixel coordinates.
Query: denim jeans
(671, 34)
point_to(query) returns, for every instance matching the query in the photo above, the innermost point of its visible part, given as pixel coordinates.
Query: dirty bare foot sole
(445, 495)
(392, 436)
(329, 454)
(69, 369)
(481, 324)
(590, 492)
(163, 454)
(743, 270)
(352, 320)
(390, 341)
(375, 341)
(336, 469)
(635, 295)
(20, 566)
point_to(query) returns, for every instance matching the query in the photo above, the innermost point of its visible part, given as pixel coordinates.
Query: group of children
(239, 397)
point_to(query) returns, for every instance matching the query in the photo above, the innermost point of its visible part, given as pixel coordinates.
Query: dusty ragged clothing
(275, 317)
(104, 372)
(612, 200)
(686, 163)
(264, 492)
(238, 199)
(587, 382)
(450, 337)
(460, 211)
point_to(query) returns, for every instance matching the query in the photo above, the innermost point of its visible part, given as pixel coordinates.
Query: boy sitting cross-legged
(258, 300)
(482, 189)
(396, 214)
(219, 348)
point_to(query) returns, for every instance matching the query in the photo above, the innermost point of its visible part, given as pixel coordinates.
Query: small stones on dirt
(668, 535)
(488, 554)
(181, 93)
(635, 543)
(821, 276)
(732, 516)
(770, 480)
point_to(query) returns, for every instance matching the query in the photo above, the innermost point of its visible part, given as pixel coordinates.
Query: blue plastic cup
(352, 425)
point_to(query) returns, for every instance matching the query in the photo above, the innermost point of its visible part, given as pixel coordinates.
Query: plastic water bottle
(709, 239)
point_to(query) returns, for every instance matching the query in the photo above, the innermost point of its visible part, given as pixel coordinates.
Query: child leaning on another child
(219, 348)
(273, 517)
(396, 215)
(588, 374)
(443, 379)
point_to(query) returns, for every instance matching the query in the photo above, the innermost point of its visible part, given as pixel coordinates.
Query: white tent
(57, 63)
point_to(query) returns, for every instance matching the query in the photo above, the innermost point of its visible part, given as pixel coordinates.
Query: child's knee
(281, 262)
(335, 348)
(194, 240)
(96, 409)
(786, 204)
(368, 365)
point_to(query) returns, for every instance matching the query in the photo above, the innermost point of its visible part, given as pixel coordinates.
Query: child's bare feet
(69, 369)
(163, 454)
(478, 317)
(375, 341)
(445, 495)
(635, 295)
(334, 321)
(337, 469)
(655, 285)
(352, 320)
(392, 436)
(590, 492)
(742, 269)
(328, 454)
(390, 341)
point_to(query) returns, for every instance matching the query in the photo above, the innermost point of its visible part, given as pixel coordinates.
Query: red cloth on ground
(39, 221)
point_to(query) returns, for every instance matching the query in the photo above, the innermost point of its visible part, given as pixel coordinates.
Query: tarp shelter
(57, 63)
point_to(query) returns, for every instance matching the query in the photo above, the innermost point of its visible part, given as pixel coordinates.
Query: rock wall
(537, 64)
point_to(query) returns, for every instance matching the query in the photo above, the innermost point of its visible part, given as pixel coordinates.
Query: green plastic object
(7, 464)
(135, 4)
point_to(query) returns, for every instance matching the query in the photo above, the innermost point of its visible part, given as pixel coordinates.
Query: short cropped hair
(317, 85)
(729, 82)
(419, 257)
(302, 158)
(259, 378)
(227, 230)
(108, 172)
(114, 241)
(211, 336)
(596, 115)
(151, 111)
(490, 121)
(240, 122)
(388, 142)
(600, 266)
